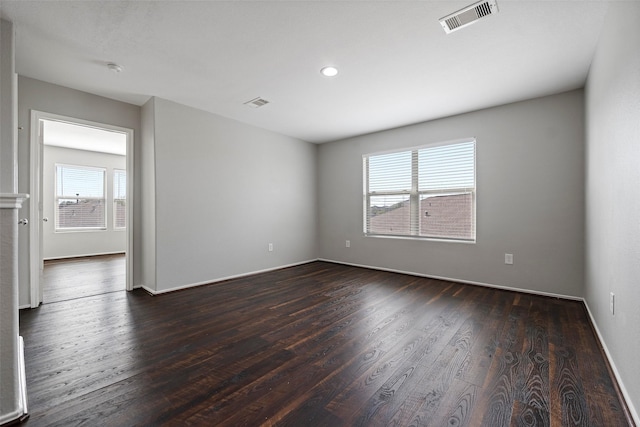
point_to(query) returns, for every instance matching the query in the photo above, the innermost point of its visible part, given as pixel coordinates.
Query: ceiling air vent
(468, 15)
(256, 102)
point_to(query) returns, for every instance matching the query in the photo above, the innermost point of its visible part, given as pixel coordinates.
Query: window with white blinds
(424, 192)
(80, 197)
(119, 199)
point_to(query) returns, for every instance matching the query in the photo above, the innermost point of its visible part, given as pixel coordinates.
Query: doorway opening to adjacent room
(81, 187)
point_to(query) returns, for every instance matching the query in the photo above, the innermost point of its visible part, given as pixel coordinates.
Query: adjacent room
(84, 211)
(324, 213)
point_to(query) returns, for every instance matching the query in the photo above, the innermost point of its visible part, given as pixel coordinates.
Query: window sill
(416, 238)
(80, 230)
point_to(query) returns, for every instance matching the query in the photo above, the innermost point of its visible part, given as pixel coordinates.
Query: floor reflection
(67, 279)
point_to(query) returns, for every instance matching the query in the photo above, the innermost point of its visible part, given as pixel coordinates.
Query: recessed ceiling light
(329, 71)
(114, 67)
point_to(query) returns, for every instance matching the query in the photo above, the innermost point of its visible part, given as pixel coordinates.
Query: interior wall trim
(626, 399)
(222, 279)
(450, 279)
(83, 256)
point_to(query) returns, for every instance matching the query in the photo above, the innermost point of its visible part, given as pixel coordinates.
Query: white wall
(224, 191)
(613, 195)
(42, 96)
(67, 244)
(147, 198)
(12, 406)
(8, 161)
(530, 198)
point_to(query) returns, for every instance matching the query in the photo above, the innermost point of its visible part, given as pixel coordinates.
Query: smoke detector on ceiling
(257, 102)
(114, 67)
(468, 15)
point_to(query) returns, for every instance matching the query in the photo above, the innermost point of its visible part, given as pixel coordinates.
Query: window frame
(57, 198)
(116, 199)
(414, 194)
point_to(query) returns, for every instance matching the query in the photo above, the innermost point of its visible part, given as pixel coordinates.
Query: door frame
(36, 261)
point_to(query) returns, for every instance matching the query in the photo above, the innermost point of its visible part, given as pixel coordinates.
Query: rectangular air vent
(468, 15)
(256, 102)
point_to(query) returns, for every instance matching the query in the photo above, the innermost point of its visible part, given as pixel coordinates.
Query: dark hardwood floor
(317, 345)
(64, 279)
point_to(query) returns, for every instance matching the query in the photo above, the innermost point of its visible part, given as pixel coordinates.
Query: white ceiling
(68, 135)
(397, 66)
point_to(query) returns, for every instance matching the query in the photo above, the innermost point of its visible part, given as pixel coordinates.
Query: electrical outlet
(347, 243)
(612, 301)
(270, 247)
(508, 259)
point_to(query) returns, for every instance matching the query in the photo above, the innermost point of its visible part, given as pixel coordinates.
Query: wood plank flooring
(64, 279)
(317, 345)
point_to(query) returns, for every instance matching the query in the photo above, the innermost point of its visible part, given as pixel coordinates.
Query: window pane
(119, 198)
(389, 215)
(119, 213)
(119, 184)
(77, 181)
(447, 166)
(390, 172)
(447, 215)
(80, 213)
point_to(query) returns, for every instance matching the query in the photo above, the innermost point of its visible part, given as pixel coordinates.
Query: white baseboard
(83, 255)
(623, 389)
(221, 279)
(11, 417)
(149, 290)
(451, 279)
(23, 377)
(21, 411)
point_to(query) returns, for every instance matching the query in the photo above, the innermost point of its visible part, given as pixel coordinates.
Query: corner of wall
(612, 204)
(147, 200)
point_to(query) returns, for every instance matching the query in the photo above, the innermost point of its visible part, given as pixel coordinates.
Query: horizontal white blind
(447, 166)
(119, 198)
(119, 184)
(447, 216)
(390, 172)
(79, 181)
(389, 214)
(80, 197)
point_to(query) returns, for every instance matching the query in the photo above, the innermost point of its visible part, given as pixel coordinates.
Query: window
(425, 192)
(80, 198)
(119, 199)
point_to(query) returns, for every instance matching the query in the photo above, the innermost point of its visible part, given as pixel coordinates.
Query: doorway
(71, 278)
(81, 178)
